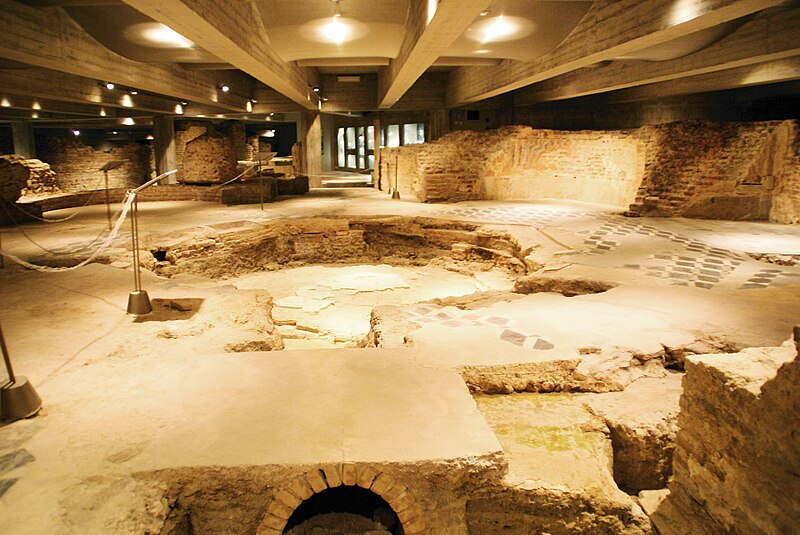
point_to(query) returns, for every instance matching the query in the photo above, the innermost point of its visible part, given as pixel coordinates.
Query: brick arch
(287, 499)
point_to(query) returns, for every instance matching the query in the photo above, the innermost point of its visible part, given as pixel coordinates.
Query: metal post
(261, 182)
(2, 258)
(108, 201)
(7, 358)
(138, 300)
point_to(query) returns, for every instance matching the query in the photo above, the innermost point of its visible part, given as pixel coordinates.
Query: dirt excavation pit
(327, 275)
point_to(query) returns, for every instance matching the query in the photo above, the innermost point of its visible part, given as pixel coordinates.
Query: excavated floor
(182, 409)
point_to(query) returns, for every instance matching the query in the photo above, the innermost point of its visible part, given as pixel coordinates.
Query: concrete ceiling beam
(425, 39)
(38, 84)
(611, 28)
(50, 39)
(771, 72)
(235, 33)
(771, 36)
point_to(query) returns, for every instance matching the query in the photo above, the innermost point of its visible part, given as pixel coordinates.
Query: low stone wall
(736, 463)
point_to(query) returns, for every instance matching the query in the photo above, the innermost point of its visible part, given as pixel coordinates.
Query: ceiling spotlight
(179, 108)
(337, 13)
(149, 137)
(5, 103)
(184, 103)
(114, 132)
(249, 106)
(324, 99)
(34, 115)
(36, 105)
(76, 132)
(315, 89)
(133, 92)
(485, 12)
(102, 112)
(224, 88)
(254, 101)
(109, 85)
(128, 121)
(271, 114)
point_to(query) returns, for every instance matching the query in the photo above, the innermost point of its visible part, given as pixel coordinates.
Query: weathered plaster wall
(76, 164)
(718, 170)
(736, 461)
(699, 169)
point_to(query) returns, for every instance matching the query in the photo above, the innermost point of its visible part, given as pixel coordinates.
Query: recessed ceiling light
(500, 28)
(133, 92)
(114, 132)
(76, 132)
(149, 137)
(482, 51)
(109, 85)
(224, 88)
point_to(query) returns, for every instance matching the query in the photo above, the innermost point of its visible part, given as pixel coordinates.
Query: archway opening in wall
(344, 510)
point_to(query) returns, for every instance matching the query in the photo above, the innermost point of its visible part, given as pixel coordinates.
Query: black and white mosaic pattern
(526, 215)
(765, 278)
(428, 314)
(698, 271)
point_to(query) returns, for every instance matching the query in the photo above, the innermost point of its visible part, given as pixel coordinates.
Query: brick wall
(21, 177)
(699, 169)
(76, 164)
(207, 152)
(736, 463)
(519, 163)
(716, 170)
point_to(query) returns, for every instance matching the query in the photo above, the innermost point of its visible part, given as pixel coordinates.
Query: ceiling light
(271, 114)
(336, 31)
(149, 137)
(36, 105)
(224, 88)
(179, 108)
(109, 85)
(102, 112)
(501, 28)
(269, 133)
(157, 34)
(184, 103)
(76, 132)
(126, 101)
(34, 115)
(315, 89)
(337, 12)
(133, 92)
(254, 101)
(249, 106)
(114, 132)
(485, 12)
(482, 51)
(128, 121)
(325, 99)
(5, 103)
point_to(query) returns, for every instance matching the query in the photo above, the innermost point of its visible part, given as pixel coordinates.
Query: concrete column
(376, 173)
(439, 124)
(328, 135)
(22, 135)
(310, 135)
(164, 145)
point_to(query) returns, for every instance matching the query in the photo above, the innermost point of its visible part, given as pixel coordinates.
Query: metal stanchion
(108, 166)
(396, 192)
(138, 300)
(18, 398)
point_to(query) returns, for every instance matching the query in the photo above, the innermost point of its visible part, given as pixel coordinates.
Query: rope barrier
(129, 198)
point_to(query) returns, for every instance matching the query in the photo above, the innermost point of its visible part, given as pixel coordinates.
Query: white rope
(129, 198)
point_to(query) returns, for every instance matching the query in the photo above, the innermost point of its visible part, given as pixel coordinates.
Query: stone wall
(21, 177)
(76, 164)
(699, 169)
(519, 163)
(715, 170)
(736, 463)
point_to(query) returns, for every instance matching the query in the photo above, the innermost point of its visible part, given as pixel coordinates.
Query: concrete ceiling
(276, 51)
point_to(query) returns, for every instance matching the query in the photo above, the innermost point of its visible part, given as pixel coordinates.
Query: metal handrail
(240, 175)
(153, 181)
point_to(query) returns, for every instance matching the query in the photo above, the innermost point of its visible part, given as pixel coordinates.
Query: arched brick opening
(286, 500)
(350, 499)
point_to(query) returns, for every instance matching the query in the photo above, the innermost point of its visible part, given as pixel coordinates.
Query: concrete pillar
(376, 173)
(22, 135)
(164, 145)
(328, 135)
(438, 125)
(310, 135)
